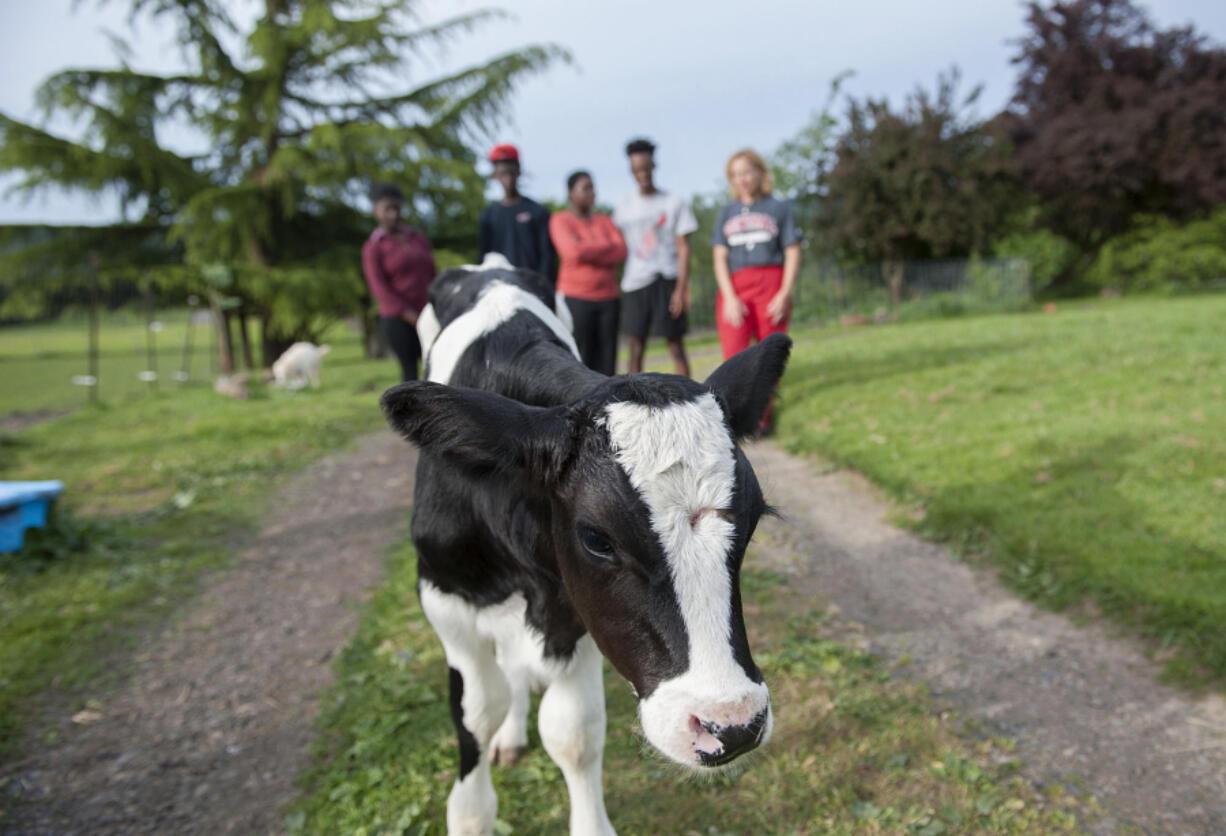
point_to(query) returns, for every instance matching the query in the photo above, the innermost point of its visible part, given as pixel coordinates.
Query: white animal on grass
(299, 365)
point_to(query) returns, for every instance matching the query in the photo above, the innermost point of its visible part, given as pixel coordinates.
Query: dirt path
(1083, 705)
(211, 730)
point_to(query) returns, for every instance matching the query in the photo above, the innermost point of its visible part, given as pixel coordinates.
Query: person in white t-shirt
(656, 279)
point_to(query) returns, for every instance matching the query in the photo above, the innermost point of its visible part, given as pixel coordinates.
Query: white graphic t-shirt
(650, 225)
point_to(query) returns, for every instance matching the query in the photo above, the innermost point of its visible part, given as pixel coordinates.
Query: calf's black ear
(479, 430)
(747, 380)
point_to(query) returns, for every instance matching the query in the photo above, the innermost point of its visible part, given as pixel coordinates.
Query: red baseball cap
(504, 154)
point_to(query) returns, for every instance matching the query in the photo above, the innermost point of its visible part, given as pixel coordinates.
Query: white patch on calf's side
(681, 459)
(518, 643)
(563, 311)
(427, 330)
(496, 305)
(520, 651)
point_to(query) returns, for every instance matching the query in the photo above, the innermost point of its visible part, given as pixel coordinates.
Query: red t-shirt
(399, 267)
(588, 254)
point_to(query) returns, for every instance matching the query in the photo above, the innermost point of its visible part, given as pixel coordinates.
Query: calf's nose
(717, 744)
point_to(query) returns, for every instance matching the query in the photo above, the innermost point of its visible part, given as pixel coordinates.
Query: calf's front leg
(479, 700)
(572, 725)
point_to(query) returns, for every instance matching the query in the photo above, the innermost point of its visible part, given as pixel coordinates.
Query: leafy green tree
(43, 269)
(929, 182)
(299, 112)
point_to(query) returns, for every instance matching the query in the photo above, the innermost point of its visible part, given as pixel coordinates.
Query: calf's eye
(595, 543)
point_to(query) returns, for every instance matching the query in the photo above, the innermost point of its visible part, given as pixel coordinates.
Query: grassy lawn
(854, 751)
(1082, 452)
(38, 362)
(159, 487)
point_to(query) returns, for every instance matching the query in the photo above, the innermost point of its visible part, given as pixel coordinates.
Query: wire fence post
(95, 375)
(185, 365)
(150, 375)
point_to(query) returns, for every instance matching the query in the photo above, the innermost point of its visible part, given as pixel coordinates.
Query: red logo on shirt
(651, 238)
(749, 229)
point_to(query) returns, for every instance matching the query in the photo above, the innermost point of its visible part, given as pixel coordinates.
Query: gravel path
(1083, 704)
(211, 730)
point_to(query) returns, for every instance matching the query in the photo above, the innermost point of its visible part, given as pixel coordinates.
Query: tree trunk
(245, 339)
(894, 274)
(272, 343)
(151, 351)
(225, 345)
(94, 373)
(373, 337)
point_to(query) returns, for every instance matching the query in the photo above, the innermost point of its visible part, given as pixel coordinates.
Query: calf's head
(653, 506)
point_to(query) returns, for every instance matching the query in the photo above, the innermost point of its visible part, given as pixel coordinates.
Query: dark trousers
(596, 332)
(402, 340)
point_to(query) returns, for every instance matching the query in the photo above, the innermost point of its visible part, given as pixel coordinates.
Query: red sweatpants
(755, 287)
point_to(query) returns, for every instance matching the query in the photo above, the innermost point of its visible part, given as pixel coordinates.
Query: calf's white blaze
(498, 302)
(681, 460)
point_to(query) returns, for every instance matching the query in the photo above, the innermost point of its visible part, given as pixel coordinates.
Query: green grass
(38, 362)
(159, 487)
(854, 750)
(1081, 452)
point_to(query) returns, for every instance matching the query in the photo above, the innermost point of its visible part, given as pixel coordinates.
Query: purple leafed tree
(1113, 117)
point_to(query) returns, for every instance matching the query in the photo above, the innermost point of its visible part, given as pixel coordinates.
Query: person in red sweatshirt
(399, 266)
(589, 249)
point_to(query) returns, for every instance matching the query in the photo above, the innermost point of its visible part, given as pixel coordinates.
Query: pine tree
(300, 112)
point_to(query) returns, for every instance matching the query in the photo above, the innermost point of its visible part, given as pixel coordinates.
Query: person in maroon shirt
(399, 266)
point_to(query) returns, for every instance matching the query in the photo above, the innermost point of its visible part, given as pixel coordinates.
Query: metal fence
(827, 292)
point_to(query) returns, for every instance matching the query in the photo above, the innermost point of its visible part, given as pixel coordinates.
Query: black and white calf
(560, 514)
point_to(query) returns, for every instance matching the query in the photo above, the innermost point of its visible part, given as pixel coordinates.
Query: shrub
(1158, 253)
(1049, 255)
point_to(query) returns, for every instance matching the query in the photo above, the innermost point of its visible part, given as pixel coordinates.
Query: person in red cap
(516, 226)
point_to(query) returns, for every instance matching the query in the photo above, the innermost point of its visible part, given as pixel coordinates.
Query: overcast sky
(700, 79)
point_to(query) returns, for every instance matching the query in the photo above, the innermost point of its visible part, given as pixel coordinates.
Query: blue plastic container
(24, 505)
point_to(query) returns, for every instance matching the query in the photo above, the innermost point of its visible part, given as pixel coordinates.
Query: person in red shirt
(399, 266)
(589, 247)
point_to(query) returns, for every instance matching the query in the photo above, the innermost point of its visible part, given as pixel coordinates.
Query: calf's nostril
(706, 739)
(733, 741)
